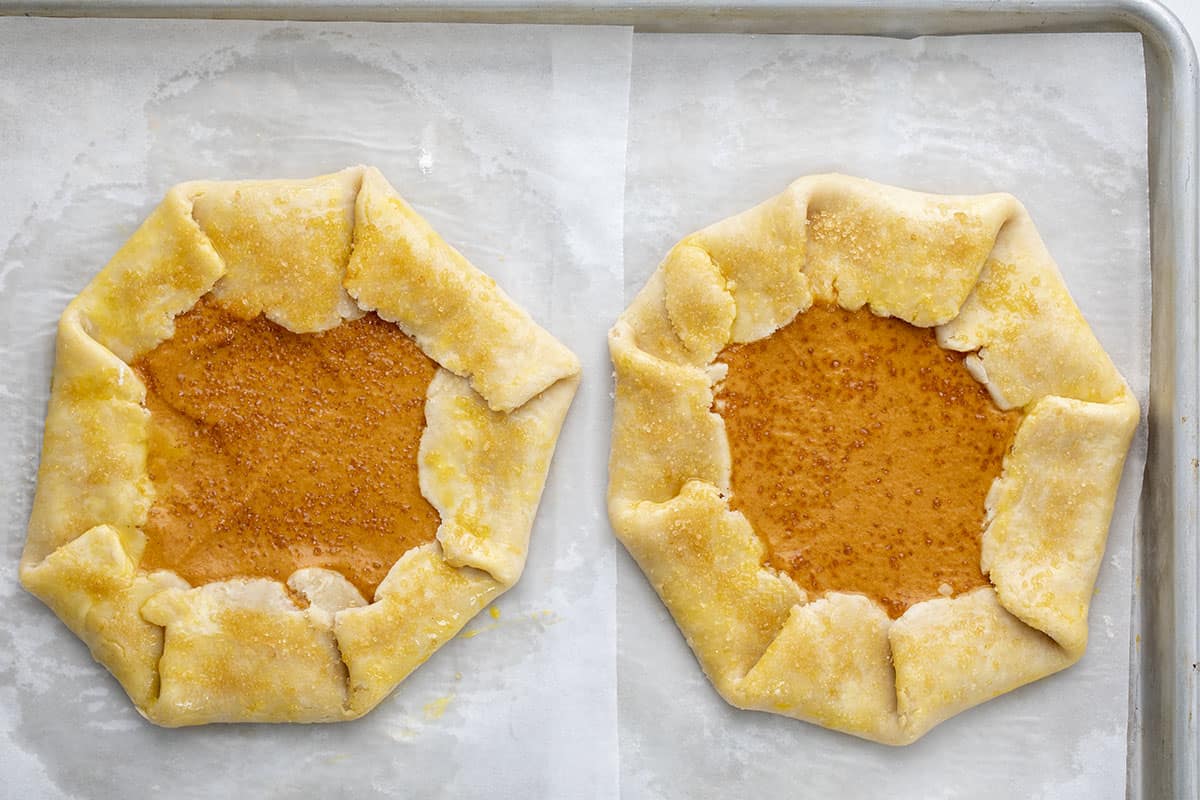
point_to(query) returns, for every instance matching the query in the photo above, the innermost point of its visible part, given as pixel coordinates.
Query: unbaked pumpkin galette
(295, 442)
(866, 449)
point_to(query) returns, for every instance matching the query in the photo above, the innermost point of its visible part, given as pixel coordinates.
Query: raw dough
(975, 270)
(310, 256)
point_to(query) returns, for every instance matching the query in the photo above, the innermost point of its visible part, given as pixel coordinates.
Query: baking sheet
(719, 123)
(533, 712)
(505, 138)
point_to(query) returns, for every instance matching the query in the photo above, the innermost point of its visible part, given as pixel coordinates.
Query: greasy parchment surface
(720, 123)
(505, 140)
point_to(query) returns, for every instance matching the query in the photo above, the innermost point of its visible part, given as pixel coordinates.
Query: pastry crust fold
(973, 268)
(468, 325)
(299, 252)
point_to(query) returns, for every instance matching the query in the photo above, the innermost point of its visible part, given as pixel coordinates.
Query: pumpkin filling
(271, 451)
(862, 454)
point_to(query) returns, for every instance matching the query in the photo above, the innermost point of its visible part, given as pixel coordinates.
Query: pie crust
(976, 270)
(307, 254)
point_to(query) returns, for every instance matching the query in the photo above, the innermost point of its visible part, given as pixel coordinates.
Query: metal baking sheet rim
(1164, 749)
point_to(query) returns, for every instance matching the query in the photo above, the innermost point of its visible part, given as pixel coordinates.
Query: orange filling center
(271, 451)
(862, 454)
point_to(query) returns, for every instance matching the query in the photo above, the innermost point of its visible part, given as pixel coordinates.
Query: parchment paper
(510, 140)
(719, 123)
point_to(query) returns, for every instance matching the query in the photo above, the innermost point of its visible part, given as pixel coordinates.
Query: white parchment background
(719, 123)
(512, 142)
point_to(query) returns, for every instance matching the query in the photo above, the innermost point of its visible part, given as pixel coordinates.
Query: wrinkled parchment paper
(512, 142)
(506, 139)
(719, 123)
